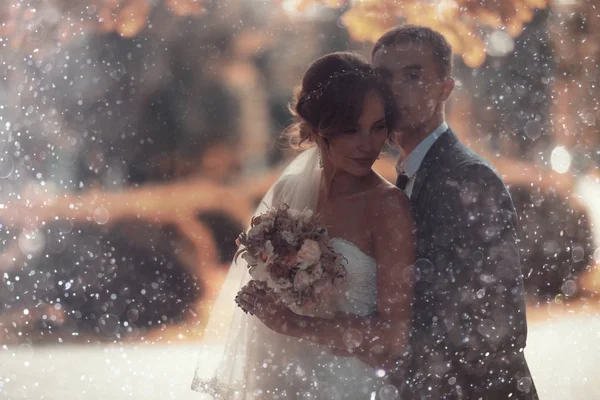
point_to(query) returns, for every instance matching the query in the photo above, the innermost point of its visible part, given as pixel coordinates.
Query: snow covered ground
(563, 354)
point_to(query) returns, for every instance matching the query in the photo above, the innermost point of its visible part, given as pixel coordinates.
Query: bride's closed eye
(379, 125)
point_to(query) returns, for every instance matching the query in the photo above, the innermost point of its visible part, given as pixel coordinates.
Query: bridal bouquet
(290, 256)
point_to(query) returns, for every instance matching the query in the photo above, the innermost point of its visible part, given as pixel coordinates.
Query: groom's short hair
(442, 51)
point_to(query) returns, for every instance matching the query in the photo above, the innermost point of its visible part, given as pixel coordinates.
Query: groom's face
(419, 89)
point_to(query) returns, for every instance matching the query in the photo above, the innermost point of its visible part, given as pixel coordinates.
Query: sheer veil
(237, 358)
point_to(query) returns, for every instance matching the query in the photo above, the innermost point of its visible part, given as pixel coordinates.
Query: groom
(468, 326)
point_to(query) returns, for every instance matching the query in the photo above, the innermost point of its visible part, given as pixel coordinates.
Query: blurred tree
(100, 282)
(509, 95)
(108, 282)
(555, 241)
(460, 21)
(575, 31)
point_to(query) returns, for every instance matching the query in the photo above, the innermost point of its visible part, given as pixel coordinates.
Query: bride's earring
(320, 160)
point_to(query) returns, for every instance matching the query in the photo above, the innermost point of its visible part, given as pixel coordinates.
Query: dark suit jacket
(468, 327)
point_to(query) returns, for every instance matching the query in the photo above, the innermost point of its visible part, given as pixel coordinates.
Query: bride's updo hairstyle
(331, 98)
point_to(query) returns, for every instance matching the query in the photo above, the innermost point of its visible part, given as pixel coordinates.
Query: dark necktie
(402, 181)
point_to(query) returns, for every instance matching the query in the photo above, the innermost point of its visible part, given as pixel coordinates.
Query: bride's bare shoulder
(388, 201)
(391, 221)
(387, 191)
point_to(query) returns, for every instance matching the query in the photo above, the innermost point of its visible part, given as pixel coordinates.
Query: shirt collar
(410, 164)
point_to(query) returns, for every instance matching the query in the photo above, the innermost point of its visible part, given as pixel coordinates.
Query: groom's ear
(447, 87)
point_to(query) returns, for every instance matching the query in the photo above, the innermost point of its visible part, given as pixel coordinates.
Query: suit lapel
(444, 142)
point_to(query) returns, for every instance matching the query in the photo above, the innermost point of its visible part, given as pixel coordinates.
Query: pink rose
(268, 253)
(309, 253)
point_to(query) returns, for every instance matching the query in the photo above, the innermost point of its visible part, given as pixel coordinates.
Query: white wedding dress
(256, 363)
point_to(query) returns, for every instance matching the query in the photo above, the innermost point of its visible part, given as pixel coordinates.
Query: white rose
(292, 213)
(259, 272)
(284, 284)
(255, 230)
(317, 272)
(269, 249)
(306, 214)
(309, 253)
(288, 237)
(301, 280)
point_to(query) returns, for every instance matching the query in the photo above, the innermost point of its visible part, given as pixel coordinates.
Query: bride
(346, 113)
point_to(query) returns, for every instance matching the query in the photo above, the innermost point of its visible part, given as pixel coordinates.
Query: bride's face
(357, 146)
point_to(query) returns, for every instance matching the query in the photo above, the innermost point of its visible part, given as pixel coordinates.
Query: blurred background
(137, 136)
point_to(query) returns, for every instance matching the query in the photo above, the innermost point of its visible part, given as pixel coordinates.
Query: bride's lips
(365, 161)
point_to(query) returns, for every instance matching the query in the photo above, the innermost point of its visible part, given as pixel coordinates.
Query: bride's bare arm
(378, 339)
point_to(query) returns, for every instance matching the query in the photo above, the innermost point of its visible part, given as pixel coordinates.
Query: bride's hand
(259, 303)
